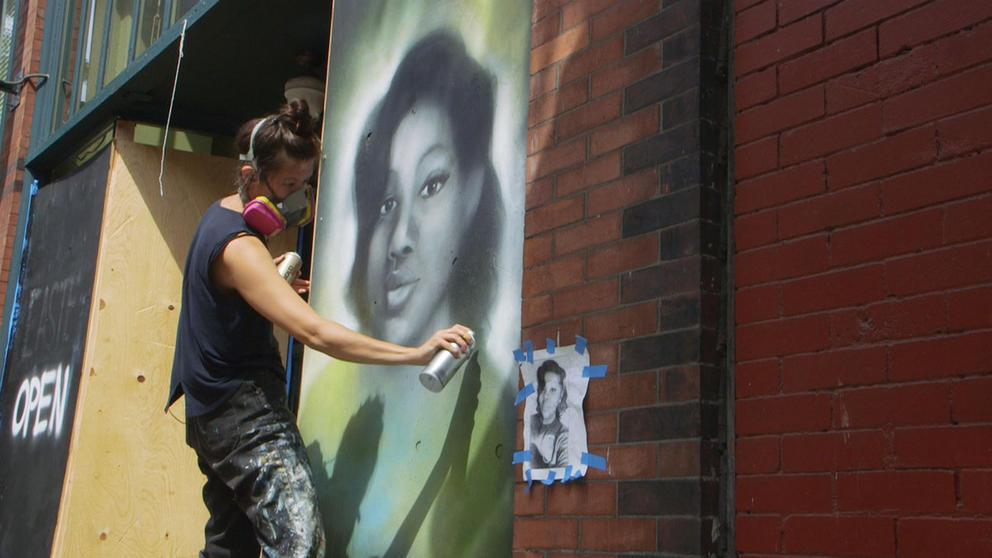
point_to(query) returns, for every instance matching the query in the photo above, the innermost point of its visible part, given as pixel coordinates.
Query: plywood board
(132, 485)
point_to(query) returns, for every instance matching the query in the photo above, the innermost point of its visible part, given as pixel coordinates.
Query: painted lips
(399, 287)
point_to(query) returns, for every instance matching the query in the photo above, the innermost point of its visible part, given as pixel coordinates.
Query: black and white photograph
(554, 424)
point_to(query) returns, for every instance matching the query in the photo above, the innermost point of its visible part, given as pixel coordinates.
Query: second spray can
(290, 265)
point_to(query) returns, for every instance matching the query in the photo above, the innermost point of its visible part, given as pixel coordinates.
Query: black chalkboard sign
(41, 376)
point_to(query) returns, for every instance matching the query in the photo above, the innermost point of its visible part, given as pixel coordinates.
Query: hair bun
(295, 115)
(291, 130)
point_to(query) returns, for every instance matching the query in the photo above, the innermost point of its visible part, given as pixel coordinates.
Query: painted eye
(433, 185)
(387, 206)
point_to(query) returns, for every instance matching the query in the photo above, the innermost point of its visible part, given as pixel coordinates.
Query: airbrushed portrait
(427, 199)
(424, 164)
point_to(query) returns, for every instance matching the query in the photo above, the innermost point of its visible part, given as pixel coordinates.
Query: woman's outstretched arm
(245, 266)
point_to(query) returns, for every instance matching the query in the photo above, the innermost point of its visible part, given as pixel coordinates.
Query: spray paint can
(290, 265)
(443, 366)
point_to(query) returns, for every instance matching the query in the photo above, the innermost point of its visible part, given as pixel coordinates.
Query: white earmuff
(250, 156)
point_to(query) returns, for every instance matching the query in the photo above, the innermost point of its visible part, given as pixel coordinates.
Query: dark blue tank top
(219, 337)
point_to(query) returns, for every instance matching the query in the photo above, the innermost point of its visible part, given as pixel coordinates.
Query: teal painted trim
(169, 36)
(53, 51)
(135, 29)
(77, 73)
(10, 305)
(105, 46)
(44, 101)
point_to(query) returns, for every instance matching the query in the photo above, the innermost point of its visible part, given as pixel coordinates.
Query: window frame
(59, 51)
(5, 97)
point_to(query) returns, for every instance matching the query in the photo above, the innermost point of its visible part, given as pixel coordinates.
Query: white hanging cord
(168, 119)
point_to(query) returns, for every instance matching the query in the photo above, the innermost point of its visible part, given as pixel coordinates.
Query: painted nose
(405, 235)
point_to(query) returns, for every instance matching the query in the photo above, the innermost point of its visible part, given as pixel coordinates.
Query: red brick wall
(17, 128)
(863, 270)
(623, 246)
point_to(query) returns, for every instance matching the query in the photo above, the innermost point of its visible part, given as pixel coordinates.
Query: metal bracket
(13, 88)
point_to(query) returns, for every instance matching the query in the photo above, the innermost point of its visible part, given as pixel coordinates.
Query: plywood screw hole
(103, 536)
(172, 307)
(141, 379)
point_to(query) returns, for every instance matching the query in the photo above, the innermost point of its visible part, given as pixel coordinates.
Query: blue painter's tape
(571, 474)
(523, 394)
(594, 461)
(519, 355)
(530, 481)
(580, 344)
(551, 346)
(597, 371)
(15, 309)
(530, 351)
(551, 478)
(521, 456)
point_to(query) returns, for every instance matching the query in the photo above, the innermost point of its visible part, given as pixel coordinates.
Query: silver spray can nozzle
(444, 365)
(290, 265)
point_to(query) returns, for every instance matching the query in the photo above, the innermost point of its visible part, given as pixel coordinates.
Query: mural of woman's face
(550, 397)
(427, 206)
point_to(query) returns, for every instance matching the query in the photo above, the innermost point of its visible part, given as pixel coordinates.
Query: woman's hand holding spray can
(443, 366)
(438, 371)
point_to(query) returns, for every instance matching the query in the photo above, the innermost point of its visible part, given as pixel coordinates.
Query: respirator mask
(270, 215)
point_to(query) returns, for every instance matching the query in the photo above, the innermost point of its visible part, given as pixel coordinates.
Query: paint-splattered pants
(259, 488)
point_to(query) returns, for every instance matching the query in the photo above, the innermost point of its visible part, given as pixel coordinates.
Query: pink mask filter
(263, 216)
